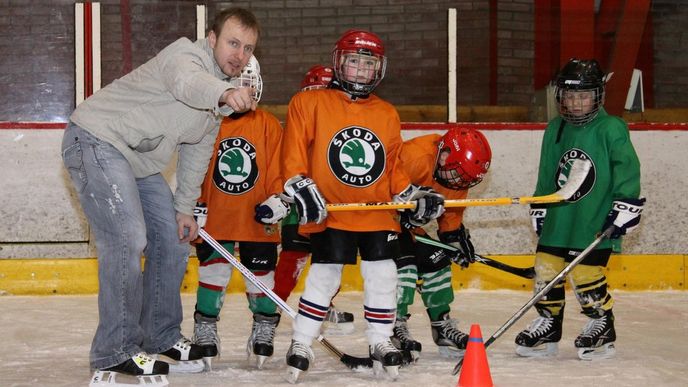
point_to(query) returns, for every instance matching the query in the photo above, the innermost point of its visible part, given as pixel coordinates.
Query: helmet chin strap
(337, 84)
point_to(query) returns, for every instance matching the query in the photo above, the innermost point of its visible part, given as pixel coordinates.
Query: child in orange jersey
(295, 247)
(243, 171)
(342, 144)
(450, 164)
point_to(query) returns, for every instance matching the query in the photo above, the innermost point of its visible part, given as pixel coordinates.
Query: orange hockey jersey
(419, 156)
(243, 172)
(351, 150)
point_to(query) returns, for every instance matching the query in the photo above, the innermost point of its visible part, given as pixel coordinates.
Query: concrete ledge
(79, 275)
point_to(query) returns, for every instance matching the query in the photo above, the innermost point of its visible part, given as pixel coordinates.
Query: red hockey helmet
(317, 77)
(359, 62)
(463, 158)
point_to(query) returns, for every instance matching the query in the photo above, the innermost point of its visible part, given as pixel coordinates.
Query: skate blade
(542, 350)
(450, 352)
(187, 366)
(380, 371)
(293, 375)
(606, 351)
(260, 361)
(339, 329)
(208, 363)
(115, 379)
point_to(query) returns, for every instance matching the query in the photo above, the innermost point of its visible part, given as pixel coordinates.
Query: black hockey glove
(429, 205)
(310, 203)
(624, 215)
(200, 214)
(272, 210)
(537, 217)
(461, 239)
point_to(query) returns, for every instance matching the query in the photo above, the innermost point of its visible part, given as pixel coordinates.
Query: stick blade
(577, 175)
(354, 362)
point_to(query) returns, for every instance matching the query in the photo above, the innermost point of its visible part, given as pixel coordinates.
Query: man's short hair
(245, 17)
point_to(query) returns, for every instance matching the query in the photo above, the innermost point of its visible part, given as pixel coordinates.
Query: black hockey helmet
(580, 75)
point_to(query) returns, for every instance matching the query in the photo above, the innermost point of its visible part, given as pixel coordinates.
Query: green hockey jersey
(615, 174)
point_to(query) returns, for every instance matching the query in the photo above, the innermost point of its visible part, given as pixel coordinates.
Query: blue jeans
(138, 310)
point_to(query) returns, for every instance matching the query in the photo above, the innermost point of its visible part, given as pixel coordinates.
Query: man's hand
(240, 100)
(187, 229)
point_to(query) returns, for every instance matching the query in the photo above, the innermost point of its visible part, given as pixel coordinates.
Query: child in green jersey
(609, 195)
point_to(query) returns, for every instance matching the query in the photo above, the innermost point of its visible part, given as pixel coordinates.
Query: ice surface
(46, 342)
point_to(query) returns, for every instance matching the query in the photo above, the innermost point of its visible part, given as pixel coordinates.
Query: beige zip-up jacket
(168, 104)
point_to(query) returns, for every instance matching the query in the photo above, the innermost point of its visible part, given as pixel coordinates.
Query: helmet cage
(578, 119)
(341, 65)
(250, 77)
(452, 176)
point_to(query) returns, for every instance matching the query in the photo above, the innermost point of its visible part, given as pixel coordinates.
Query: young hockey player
(295, 247)
(609, 195)
(115, 147)
(450, 164)
(243, 171)
(341, 145)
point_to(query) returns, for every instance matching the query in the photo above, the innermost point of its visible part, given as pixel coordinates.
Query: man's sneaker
(261, 341)
(147, 370)
(451, 342)
(205, 336)
(386, 357)
(299, 358)
(184, 357)
(541, 338)
(597, 339)
(338, 322)
(403, 340)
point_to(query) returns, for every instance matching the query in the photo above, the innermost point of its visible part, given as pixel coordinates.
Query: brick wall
(37, 61)
(671, 53)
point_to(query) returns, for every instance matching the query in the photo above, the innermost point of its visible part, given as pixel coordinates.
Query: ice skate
(597, 339)
(338, 322)
(386, 358)
(403, 340)
(184, 357)
(261, 341)
(541, 338)
(205, 336)
(139, 370)
(299, 358)
(451, 342)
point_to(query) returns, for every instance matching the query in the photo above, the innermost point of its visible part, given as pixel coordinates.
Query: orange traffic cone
(475, 371)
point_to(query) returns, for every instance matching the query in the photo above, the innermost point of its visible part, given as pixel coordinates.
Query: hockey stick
(539, 295)
(352, 362)
(577, 175)
(524, 272)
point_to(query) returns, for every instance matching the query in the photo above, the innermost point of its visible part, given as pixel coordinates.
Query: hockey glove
(310, 203)
(624, 215)
(200, 214)
(537, 217)
(429, 204)
(461, 239)
(272, 210)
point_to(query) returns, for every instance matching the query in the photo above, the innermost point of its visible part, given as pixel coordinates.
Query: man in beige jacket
(115, 147)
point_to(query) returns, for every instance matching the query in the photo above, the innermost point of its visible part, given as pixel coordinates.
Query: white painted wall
(42, 219)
